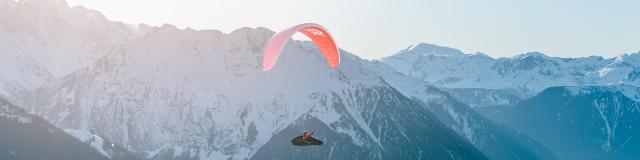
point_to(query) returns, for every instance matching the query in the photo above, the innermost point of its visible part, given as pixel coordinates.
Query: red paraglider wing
(316, 33)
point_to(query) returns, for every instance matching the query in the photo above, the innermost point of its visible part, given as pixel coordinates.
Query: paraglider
(315, 32)
(305, 140)
(323, 41)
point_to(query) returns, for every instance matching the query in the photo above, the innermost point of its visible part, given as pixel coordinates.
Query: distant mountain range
(597, 122)
(522, 76)
(594, 119)
(187, 94)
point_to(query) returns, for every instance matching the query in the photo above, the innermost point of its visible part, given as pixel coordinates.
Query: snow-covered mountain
(416, 135)
(20, 75)
(171, 93)
(60, 38)
(595, 122)
(26, 136)
(104, 146)
(523, 75)
(480, 98)
(201, 94)
(44, 39)
(495, 140)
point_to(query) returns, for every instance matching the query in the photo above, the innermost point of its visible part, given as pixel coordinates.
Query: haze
(378, 28)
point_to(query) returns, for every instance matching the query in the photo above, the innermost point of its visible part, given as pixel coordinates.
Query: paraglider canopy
(315, 32)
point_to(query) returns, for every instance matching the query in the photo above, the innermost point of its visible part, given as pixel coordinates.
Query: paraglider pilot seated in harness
(305, 140)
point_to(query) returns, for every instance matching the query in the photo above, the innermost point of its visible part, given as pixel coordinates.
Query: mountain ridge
(527, 73)
(26, 136)
(211, 104)
(589, 122)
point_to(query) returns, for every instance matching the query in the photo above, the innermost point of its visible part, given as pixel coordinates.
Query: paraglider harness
(305, 140)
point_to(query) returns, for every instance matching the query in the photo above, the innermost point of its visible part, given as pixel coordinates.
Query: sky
(378, 28)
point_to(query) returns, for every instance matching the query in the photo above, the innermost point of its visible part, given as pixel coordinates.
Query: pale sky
(379, 28)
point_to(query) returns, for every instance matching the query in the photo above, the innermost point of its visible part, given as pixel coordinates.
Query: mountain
(60, 38)
(41, 40)
(480, 98)
(581, 122)
(593, 122)
(493, 139)
(200, 94)
(103, 146)
(20, 75)
(169, 93)
(26, 136)
(405, 130)
(522, 76)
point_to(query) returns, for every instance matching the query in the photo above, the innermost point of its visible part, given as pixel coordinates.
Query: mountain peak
(45, 2)
(432, 49)
(405, 59)
(167, 26)
(532, 54)
(628, 58)
(480, 54)
(260, 31)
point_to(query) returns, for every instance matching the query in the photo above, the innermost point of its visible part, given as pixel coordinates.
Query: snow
(11, 113)
(21, 119)
(528, 73)
(155, 152)
(93, 140)
(604, 71)
(467, 130)
(612, 111)
(13, 153)
(327, 117)
(198, 92)
(630, 92)
(214, 155)
(361, 122)
(52, 33)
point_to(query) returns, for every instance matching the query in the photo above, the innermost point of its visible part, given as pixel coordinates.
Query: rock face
(104, 146)
(201, 95)
(169, 93)
(41, 40)
(60, 38)
(523, 75)
(26, 136)
(405, 130)
(20, 75)
(494, 140)
(581, 122)
(480, 97)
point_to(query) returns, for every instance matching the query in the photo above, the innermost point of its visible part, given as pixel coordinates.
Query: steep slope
(479, 97)
(191, 94)
(60, 38)
(405, 130)
(20, 75)
(44, 39)
(26, 136)
(582, 122)
(103, 146)
(527, 74)
(207, 83)
(494, 140)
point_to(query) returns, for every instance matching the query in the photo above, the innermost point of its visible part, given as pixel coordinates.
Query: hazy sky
(378, 28)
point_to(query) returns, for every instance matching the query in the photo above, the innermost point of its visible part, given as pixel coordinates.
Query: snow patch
(327, 117)
(93, 140)
(7, 112)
